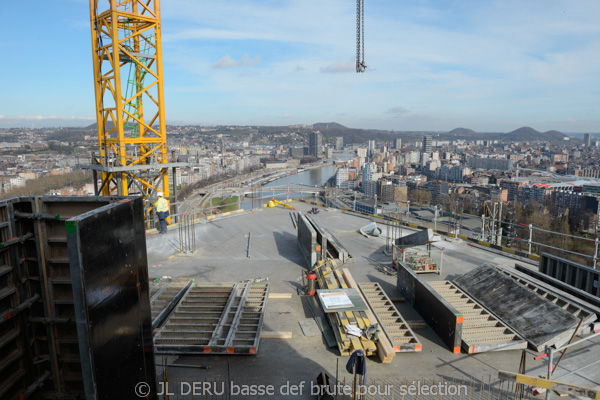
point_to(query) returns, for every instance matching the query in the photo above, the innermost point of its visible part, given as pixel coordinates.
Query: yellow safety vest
(162, 205)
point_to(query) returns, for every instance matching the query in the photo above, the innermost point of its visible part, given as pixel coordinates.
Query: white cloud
(339, 67)
(287, 116)
(228, 62)
(398, 110)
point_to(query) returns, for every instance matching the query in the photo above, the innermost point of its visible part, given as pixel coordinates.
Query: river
(311, 177)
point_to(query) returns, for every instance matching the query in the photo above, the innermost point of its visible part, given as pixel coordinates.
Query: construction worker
(162, 211)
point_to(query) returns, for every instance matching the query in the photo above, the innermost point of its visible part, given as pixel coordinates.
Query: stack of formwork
(215, 318)
(328, 278)
(317, 244)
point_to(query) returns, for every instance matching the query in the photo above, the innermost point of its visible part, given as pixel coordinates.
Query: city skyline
(488, 66)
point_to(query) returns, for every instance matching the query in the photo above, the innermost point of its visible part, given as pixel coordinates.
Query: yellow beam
(549, 384)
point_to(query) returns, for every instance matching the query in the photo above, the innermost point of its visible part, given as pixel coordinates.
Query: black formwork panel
(109, 271)
(307, 240)
(439, 314)
(38, 341)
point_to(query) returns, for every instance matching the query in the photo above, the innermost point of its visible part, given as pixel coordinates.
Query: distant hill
(94, 127)
(328, 125)
(462, 132)
(555, 134)
(527, 134)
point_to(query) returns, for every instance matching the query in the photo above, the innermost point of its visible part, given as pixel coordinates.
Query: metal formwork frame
(215, 319)
(51, 214)
(14, 341)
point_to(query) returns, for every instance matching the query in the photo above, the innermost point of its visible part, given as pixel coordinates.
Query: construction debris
(421, 259)
(370, 230)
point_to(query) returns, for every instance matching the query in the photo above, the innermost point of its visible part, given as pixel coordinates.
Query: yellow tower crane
(130, 113)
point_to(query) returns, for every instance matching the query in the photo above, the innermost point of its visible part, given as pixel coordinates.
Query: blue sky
(432, 64)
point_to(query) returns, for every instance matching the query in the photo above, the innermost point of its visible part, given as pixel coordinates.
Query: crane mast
(129, 99)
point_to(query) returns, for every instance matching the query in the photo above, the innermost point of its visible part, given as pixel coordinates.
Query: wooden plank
(275, 335)
(384, 348)
(280, 296)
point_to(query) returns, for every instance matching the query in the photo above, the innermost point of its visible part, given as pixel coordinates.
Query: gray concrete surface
(221, 257)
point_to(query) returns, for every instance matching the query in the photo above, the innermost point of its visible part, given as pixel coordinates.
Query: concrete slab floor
(220, 256)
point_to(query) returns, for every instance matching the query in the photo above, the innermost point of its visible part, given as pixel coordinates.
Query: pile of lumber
(330, 278)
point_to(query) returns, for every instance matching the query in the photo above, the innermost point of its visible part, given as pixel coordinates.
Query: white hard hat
(160, 194)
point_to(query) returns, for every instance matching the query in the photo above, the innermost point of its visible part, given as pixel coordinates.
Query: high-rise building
(500, 164)
(427, 144)
(367, 173)
(513, 189)
(370, 188)
(437, 189)
(397, 144)
(341, 177)
(315, 141)
(587, 140)
(371, 148)
(339, 142)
